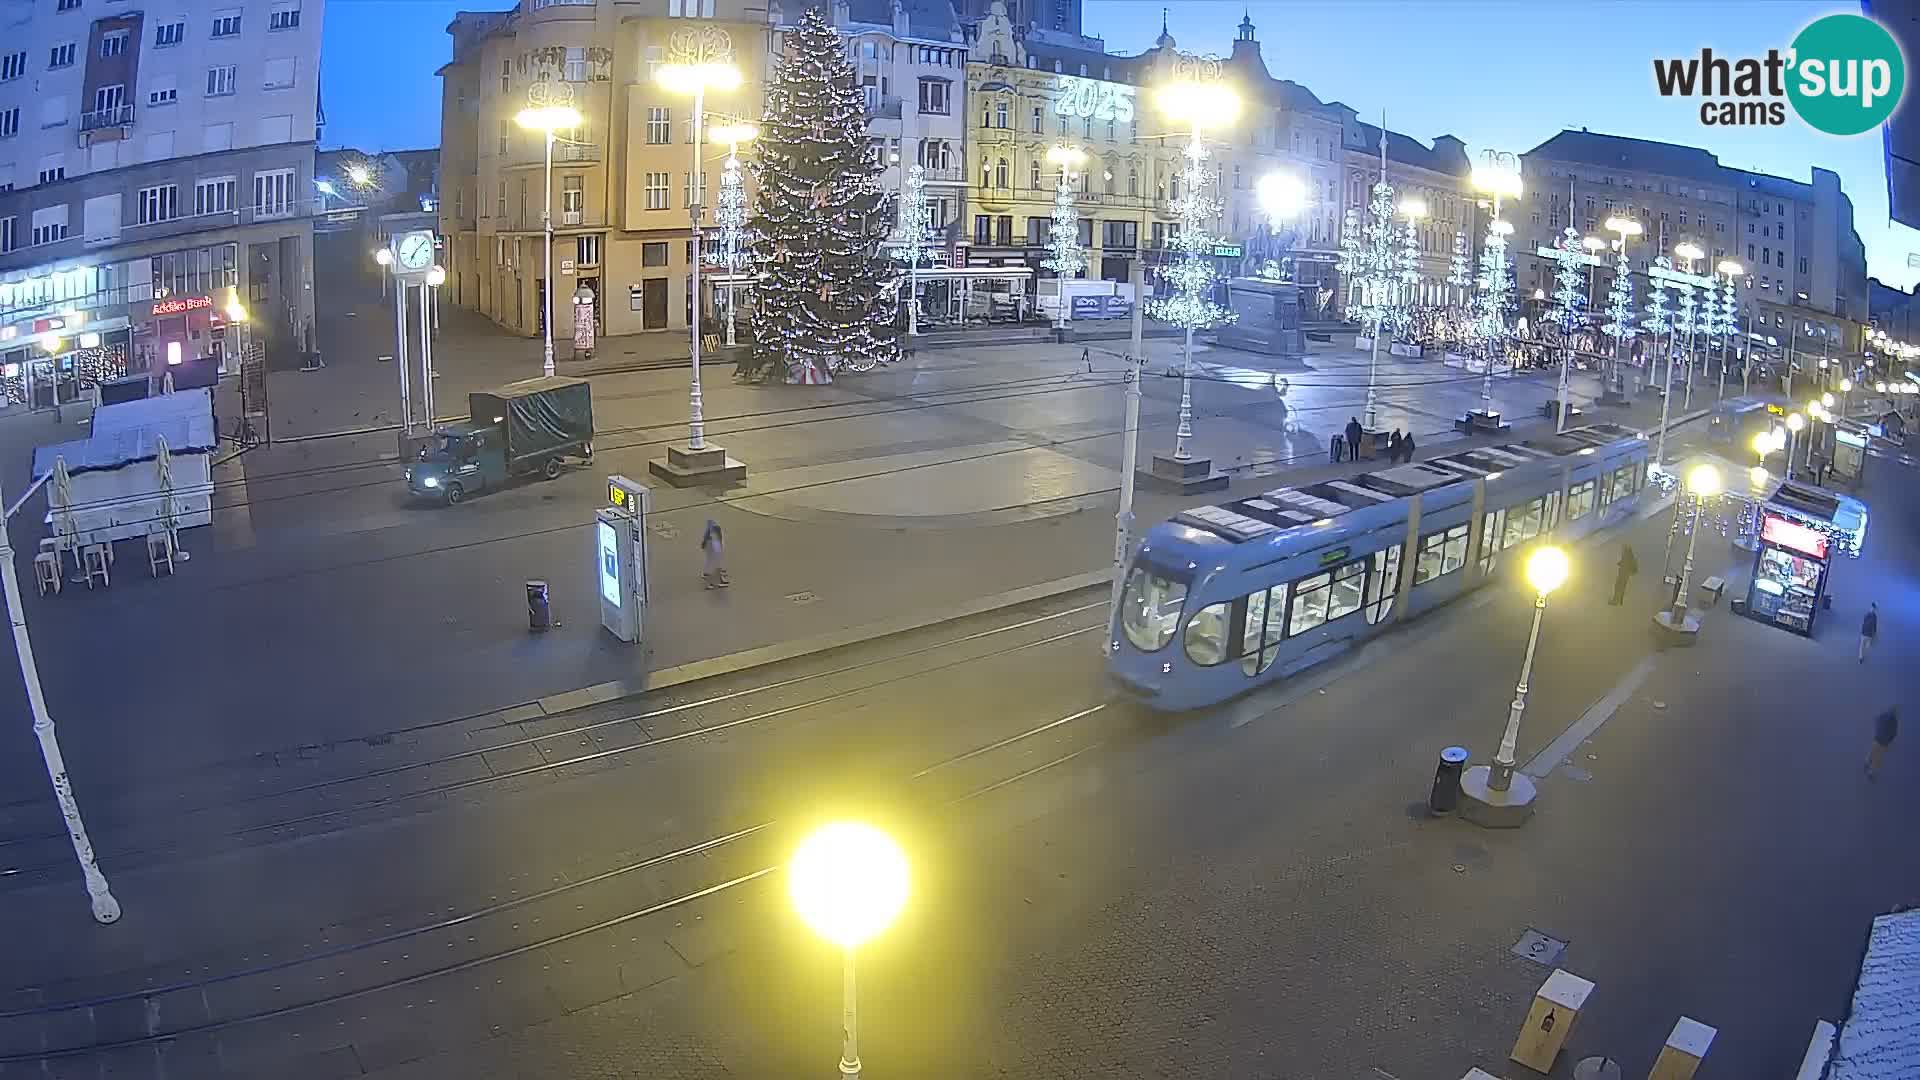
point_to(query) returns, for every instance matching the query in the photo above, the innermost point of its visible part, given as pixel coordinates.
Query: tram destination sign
(1339, 554)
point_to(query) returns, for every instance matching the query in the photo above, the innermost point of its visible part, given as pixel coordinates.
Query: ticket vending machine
(620, 558)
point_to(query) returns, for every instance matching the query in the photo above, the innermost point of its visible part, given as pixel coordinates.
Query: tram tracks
(440, 948)
(118, 822)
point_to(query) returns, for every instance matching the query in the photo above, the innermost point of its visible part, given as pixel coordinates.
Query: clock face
(415, 251)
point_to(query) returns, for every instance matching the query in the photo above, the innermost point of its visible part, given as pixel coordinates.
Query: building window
(13, 66)
(653, 254)
(273, 194)
(161, 203)
(1033, 177)
(50, 224)
(226, 23)
(586, 250)
(574, 70)
(1780, 260)
(573, 196)
(659, 125)
(1802, 263)
(279, 74)
(166, 34)
(657, 190)
(7, 239)
(213, 195)
(220, 81)
(500, 205)
(1038, 117)
(61, 56)
(506, 75)
(163, 93)
(284, 17)
(9, 122)
(936, 97)
(53, 167)
(113, 43)
(67, 5)
(1000, 113)
(690, 9)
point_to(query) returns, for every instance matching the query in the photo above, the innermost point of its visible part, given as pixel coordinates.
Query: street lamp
(1546, 571)
(1066, 260)
(848, 882)
(1198, 103)
(549, 109)
(1794, 423)
(1846, 387)
(1499, 179)
(1620, 297)
(1728, 324)
(1282, 196)
(1703, 482)
(699, 61)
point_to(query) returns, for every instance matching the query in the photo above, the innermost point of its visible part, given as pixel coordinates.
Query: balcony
(118, 116)
(883, 108)
(949, 175)
(576, 152)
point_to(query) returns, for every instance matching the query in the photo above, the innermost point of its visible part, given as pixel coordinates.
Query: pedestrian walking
(1086, 358)
(1393, 446)
(1353, 438)
(1407, 447)
(713, 570)
(1623, 574)
(1869, 629)
(1885, 727)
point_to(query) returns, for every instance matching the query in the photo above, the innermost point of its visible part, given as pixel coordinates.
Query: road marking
(1599, 713)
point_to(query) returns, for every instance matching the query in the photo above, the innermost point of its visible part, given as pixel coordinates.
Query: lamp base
(1481, 423)
(1492, 809)
(685, 467)
(1188, 477)
(1669, 631)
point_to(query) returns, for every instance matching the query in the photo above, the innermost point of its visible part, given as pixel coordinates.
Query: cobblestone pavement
(1249, 891)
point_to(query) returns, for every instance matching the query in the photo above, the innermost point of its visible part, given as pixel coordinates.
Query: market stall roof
(127, 433)
(1881, 1038)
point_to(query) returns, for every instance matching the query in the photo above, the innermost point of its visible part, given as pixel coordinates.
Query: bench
(1711, 588)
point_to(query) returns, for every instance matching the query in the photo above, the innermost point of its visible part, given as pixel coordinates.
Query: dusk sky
(1504, 74)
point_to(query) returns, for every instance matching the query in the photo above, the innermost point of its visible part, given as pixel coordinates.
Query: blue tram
(1222, 599)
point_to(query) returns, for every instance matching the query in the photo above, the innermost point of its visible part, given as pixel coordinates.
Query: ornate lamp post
(1499, 179)
(848, 883)
(1495, 796)
(549, 109)
(1703, 482)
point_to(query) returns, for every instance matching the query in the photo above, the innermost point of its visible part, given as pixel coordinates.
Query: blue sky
(1505, 74)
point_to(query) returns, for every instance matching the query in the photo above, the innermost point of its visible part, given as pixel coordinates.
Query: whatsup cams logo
(1843, 75)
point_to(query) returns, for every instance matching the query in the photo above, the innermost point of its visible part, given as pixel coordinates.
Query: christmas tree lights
(916, 220)
(1459, 269)
(730, 215)
(1190, 277)
(824, 302)
(1619, 325)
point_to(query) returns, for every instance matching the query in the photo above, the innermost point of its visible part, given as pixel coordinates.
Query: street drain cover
(1539, 948)
(801, 598)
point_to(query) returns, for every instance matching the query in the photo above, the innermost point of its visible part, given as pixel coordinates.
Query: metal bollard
(1446, 781)
(539, 607)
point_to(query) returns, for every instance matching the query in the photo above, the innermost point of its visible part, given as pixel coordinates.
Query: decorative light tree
(1348, 263)
(1065, 257)
(1491, 305)
(1619, 325)
(1568, 305)
(1190, 277)
(1729, 322)
(823, 304)
(1686, 322)
(1459, 271)
(916, 218)
(730, 217)
(1659, 319)
(1383, 267)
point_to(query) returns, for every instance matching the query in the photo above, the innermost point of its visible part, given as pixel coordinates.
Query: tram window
(1309, 604)
(1552, 516)
(1523, 524)
(1385, 582)
(1207, 635)
(1441, 553)
(1348, 587)
(1349, 584)
(1266, 625)
(1580, 500)
(1606, 490)
(1490, 533)
(1150, 611)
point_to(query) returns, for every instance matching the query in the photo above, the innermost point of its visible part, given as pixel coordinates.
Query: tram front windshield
(1150, 609)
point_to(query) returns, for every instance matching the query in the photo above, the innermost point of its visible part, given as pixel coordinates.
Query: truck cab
(464, 459)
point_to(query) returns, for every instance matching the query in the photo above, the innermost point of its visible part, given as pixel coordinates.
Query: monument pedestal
(687, 467)
(1189, 477)
(1481, 423)
(1267, 319)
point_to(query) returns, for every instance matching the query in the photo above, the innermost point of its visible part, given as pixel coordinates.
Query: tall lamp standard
(1197, 104)
(1729, 320)
(1703, 482)
(1846, 388)
(1692, 253)
(1065, 257)
(848, 882)
(1494, 794)
(698, 61)
(549, 109)
(1794, 423)
(1498, 179)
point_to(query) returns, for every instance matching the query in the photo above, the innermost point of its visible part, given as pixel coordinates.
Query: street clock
(413, 253)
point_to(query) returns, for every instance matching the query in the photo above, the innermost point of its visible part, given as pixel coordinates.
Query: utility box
(1685, 1048)
(1550, 1021)
(620, 558)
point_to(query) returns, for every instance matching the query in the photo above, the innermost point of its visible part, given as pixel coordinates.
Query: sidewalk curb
(732, 663)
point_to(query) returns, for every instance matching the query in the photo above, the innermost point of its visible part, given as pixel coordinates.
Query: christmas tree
(824, 302)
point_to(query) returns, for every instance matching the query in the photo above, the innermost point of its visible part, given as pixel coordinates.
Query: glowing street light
(1499, 179)
(383, 256)
(1546, 570)
(1282, 196)
(359, 175)
(848, 882)
(1620, 298)
(1703, 482)
(1198, 104)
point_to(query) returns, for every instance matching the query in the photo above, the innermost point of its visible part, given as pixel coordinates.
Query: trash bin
(539, 609)
(1446, 781)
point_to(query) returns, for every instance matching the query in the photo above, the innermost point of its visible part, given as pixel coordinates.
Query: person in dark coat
(1393, 447)
(1623, 574)
(1353, 438)
(1407, 447)
(1885, 727)
(1869, 629)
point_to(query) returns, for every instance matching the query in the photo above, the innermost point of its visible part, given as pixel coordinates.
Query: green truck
(523, 428)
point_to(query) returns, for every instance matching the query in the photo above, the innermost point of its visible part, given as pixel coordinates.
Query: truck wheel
(455, 493)
(551, 470)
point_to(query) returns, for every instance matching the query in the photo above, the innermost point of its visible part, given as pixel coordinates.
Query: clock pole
(546, 300)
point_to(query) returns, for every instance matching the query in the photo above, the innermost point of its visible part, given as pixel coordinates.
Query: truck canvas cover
(539, 414)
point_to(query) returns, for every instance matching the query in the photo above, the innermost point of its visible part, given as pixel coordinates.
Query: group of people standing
(1347, 448)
